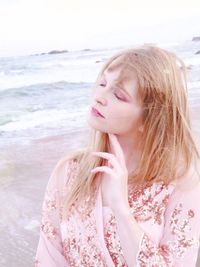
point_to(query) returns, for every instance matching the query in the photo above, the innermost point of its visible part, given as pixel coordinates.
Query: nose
(100, 97)
(100, 100)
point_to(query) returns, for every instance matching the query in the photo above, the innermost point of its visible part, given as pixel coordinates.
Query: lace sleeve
(49, 251)
(180, 240)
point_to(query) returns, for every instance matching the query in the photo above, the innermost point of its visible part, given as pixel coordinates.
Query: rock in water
(196, 38)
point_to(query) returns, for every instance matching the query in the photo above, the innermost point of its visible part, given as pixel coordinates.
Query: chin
(95, 124)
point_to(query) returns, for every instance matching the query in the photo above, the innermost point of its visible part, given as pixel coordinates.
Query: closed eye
(122, 99)
(118, 97)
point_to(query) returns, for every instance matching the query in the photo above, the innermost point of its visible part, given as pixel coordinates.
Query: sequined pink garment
(168, 216)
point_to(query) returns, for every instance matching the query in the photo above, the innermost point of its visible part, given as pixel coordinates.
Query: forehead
(121, 72)
(115, 65)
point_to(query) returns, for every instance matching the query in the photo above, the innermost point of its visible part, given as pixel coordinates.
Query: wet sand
(23, 177)
(24, 172)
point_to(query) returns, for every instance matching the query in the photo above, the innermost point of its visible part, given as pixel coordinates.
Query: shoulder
(190, 182)
(65, 168)
(187, 190)
(69, 161)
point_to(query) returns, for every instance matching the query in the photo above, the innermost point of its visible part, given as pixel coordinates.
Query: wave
(44, 118)
(16, 81)
(41, 89)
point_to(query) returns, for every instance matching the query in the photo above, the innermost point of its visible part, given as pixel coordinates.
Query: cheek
(130, 119)
(125, 114)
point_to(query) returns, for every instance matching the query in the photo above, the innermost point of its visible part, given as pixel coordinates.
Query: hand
(114, 182)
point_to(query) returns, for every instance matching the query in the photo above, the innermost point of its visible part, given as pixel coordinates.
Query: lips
(97, 112)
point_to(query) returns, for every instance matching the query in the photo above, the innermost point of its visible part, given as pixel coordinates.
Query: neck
(131, 150)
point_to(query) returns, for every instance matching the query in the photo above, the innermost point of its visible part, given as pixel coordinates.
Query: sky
(35, 26)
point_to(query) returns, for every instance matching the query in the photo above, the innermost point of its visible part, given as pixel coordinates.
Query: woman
(129, 198)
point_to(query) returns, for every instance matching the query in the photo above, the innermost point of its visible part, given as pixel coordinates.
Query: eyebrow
(118, 83)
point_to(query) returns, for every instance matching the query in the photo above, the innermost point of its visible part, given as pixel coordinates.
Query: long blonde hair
(167, 141)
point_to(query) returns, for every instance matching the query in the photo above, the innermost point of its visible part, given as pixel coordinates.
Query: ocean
(43, 94)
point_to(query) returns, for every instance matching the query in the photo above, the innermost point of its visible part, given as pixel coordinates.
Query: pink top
(168, 214)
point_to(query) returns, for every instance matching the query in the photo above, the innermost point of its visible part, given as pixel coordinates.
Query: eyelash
(114, 94)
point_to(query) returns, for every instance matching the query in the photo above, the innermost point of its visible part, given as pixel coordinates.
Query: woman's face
(114, 96)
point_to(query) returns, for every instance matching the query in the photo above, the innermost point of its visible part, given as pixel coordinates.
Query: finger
(118, 151)
(103, 169)
(110, 157)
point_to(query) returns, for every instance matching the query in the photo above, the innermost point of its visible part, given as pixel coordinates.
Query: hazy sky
(34, 26)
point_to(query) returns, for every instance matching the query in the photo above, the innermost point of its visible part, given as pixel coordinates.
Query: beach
(41, 123)
(23, 182)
